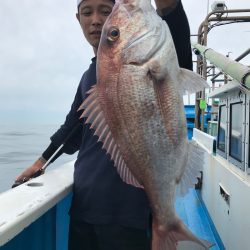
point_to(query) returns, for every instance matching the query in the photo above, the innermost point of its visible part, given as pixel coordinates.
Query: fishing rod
(44, 167)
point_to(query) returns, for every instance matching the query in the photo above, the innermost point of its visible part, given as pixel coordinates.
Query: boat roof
(227, 89)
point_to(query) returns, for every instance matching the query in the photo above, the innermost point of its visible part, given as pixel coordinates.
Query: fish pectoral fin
(190, 82)
(95, 116)
(171, 237)
(193, 168)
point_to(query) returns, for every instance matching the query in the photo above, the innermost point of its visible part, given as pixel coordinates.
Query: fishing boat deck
(195, 216)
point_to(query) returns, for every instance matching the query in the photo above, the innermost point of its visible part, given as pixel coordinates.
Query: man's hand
(29, 172)
(165, 6)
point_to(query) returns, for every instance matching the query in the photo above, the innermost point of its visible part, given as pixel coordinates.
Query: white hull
(221, 178)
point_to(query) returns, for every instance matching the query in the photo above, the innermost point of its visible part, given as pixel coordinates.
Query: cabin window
(235, 133)
(222, 128)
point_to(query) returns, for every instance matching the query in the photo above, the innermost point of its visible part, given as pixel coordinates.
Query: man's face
(92, 15)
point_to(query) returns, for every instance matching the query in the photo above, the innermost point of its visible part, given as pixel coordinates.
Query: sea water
(20, 146)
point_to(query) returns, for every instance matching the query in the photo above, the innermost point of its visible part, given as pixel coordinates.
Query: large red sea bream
(136, 109)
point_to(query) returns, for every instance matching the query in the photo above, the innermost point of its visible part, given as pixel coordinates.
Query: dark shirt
(99, 194)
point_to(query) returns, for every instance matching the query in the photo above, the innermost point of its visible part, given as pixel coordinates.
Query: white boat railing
(205, 140)
(21, 206)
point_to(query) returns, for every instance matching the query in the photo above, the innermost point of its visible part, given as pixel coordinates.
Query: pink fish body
(136, 109)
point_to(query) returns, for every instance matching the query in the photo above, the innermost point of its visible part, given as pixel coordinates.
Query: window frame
(223, 102)
(234, 99)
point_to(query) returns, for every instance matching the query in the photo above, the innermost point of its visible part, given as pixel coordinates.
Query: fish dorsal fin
(193, 167)
(95, 117)
(191, 82)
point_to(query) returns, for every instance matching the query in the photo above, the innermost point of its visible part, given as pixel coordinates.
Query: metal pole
(236, 70)
(214, 16)
(237, 60)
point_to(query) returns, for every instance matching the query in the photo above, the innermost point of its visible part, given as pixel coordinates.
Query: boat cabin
(233, 124)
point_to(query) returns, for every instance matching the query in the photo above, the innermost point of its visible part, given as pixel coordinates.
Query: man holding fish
(106, 213)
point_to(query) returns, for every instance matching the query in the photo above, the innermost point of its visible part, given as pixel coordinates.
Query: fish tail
(167, 237)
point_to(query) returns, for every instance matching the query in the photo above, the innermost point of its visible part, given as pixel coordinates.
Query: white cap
(79, 2)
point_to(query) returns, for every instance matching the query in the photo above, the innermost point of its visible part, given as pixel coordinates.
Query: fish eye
(113, 34)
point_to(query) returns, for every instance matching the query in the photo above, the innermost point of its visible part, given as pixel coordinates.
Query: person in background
(106, 213)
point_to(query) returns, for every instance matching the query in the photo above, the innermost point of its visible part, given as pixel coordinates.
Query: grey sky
(43, 55)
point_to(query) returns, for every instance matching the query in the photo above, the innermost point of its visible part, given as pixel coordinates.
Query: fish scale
(135, 98)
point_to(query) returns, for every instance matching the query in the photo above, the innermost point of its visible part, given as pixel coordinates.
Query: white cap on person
(79, 2)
